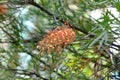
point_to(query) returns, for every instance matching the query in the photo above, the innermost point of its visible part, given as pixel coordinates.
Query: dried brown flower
(55, 39)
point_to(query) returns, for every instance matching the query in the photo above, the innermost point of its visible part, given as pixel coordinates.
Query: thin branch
(32, 2)
(48, 66)
(116, 45)
(7, 33)
(61, 20)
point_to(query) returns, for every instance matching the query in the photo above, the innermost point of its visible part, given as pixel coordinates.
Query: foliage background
(94, 55)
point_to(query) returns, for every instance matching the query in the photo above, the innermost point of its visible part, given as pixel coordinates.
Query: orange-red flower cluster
(55, 39)
(3, 9)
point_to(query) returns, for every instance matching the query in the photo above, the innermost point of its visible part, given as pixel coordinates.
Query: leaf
(103, 40)
(97, 39)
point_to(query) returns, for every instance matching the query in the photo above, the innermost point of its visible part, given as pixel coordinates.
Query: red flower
(3, 9)
(55, 39)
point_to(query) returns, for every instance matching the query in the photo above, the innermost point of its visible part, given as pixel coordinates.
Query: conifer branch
(61, 20)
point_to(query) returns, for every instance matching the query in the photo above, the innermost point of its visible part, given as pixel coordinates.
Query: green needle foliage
(93, 55)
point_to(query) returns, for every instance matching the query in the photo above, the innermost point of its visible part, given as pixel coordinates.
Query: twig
(116, 45)
(61, 20)
(48, 66)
